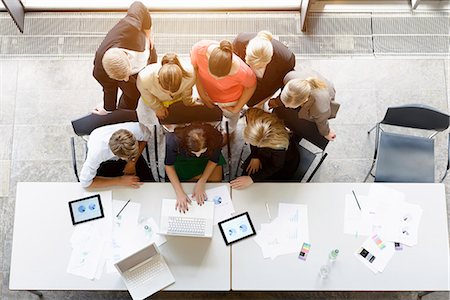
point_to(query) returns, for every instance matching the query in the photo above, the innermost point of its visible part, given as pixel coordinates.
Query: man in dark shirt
(132, 35)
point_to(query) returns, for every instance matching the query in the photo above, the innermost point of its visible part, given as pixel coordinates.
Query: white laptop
(145, 272)
(196, 222)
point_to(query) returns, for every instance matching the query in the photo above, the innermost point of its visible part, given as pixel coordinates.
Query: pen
(123, 207)
(357, 202)
(268, 211)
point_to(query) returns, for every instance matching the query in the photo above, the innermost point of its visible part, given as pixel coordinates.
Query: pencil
(268, 211)
(123, 208)
(357, 202)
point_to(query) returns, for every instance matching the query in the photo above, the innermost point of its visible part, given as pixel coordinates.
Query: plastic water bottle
(325, 269)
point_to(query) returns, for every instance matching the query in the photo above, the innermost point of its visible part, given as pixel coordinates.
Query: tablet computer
(86, 209)
(237, 228)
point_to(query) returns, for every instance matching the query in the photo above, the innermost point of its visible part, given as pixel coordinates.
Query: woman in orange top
(223, 79)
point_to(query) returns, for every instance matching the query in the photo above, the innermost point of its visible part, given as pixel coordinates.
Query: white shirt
(138, 60)
(99, 151)
(259, 72)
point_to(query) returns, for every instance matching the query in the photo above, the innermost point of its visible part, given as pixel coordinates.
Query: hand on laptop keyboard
(199, 192)
(182, 202)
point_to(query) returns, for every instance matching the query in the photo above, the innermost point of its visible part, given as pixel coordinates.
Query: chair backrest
(85, 125)
(181, 114)
(417, 116)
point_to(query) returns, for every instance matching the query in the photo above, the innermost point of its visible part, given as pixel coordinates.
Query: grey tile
(7, 248)
(8, 75)
(394, 97)
(7, 104)
(342, 170)
(357, 107)
(7, 223)
(403, 74)
(352, 142)
(5, 167)
(50, 107)
(42, 142)
(447, 73)
(6, 132)
(56, 74)
(346, 73)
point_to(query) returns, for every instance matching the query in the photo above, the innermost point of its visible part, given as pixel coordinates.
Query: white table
(424, 267)
(42, 230)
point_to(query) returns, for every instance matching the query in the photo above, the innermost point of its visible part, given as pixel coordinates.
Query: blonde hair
(297, 91)
(265, 130)
(259, 50)
(221, 59)
(116, 64)
(124, 145)
(171, 72)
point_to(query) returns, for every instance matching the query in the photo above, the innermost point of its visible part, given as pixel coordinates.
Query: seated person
(168, 86)
(269, 59)
(307, 95)
(274, 155)
(114, 156)
(193, 153)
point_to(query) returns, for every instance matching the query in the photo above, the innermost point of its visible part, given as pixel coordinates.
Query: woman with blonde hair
(223, 79)
(269, 59)
(167, 86)
(309, 96)
(274, 155)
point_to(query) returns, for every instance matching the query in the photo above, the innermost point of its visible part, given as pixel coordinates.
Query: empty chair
(404, 157)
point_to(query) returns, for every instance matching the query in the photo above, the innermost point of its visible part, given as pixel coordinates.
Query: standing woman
(165, 86)
(274, 155)
(193, 153)
(126, 49)
(309, 96)
(223, 79)
(269, 59)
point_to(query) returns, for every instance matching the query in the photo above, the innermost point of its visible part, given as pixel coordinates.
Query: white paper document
(357, 221)
(286, 233)
(223, 206)
(375, 253)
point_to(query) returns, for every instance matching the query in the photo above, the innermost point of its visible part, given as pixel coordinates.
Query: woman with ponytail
(223, 79)
(163, 86)
(269, 59)
(310, 96)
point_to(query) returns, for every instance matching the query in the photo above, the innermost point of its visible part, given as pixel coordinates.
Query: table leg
(39, 294)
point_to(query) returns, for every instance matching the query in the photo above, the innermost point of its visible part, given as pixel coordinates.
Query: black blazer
(283, 61)
(129, 34)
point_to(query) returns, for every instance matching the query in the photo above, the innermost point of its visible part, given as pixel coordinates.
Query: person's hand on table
(254, 166)
(241, 182)
(182, 202)
(199, 193)
(130, 181)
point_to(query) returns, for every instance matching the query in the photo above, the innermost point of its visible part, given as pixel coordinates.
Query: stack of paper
(89, 242)
(286, 233)
(223, 206)
(386, 214)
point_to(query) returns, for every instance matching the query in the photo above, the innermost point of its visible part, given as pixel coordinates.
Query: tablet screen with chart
(86, 209)
(237, 228)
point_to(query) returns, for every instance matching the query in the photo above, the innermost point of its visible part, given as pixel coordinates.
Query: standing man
(126, 49)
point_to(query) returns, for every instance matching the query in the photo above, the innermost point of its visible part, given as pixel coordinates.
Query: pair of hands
(198, 194)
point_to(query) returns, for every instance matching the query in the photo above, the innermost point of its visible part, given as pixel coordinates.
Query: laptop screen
(137, 258)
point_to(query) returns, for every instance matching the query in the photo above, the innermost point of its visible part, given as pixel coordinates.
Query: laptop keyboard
(187, 226)
(145, 272)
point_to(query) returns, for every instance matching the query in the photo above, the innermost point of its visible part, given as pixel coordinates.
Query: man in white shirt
(114, 157)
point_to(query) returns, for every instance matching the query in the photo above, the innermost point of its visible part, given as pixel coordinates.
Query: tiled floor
(40, 97)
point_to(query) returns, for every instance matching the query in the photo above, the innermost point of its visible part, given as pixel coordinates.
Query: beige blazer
(153, 94)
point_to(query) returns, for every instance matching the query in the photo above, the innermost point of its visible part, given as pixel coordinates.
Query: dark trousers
(130, 93)
(114, 168)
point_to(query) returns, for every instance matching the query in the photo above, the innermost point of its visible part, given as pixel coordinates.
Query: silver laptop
(198, 221)
(145, 272)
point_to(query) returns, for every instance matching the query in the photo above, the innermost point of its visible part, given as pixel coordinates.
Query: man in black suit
(126, 49)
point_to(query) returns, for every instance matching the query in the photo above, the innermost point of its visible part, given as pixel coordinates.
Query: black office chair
(407, 158)
(183, 115)
(85, 125)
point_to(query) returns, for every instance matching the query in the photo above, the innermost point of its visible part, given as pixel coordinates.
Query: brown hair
(197, 136)
(123, 144)
(265, 130)
(221, 59)
(171, 72)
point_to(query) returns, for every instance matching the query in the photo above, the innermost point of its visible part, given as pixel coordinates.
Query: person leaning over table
(114, 157)
(310, 96)
(269, 59)
(127, 49)
(274, 155)
(223, 79)
(193, 153)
